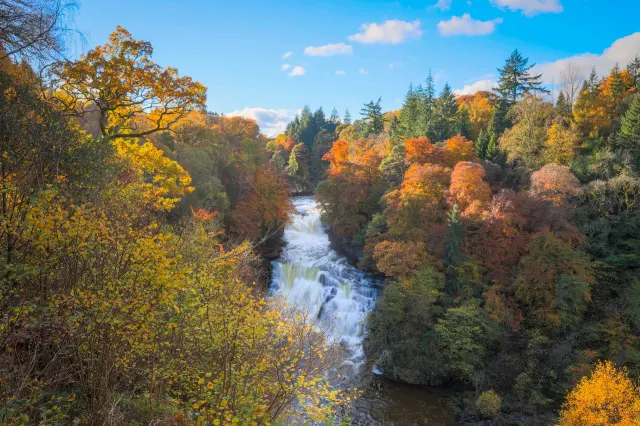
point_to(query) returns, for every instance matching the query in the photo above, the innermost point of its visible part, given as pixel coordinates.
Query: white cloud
(286, 55)
(443, 5)
(395, 64)
(271, 121)
(530, 7)
(470, 89)
(341, 72)
(298, 70)
(286, 67)
(466, 25)
(390, 32)
(363, 71)
(622, 51)
(329, 50)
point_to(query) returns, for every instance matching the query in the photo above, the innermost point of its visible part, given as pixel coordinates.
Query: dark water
(392, 403)
(313, 277)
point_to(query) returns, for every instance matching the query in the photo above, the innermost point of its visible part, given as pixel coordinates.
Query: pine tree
(319, 120)
(445, 111)
(409, 113)
(516, 79)
(372, 116)
(347, 117)
(335, 117)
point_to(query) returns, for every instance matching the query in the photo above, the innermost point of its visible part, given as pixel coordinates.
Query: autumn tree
(265, 207)
(468, 190)
(607, 397)
(134, 96)
(525, 141)
(556, 183)
(561, 145)
(554, 280)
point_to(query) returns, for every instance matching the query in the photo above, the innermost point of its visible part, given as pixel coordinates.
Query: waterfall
(313, 277)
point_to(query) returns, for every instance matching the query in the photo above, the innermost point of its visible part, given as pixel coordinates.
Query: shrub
(488, 404)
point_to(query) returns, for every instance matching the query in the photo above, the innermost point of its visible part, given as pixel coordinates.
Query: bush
(488, 404)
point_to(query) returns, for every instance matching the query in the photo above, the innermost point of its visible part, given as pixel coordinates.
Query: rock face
(345, 247)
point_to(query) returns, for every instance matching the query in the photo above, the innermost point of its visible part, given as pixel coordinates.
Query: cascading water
(313, 277)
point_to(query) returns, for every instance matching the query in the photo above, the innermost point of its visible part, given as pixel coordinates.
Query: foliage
(488, 404)
(607, 397)
(134, 96)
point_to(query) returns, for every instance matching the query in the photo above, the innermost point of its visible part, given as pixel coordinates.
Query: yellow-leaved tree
(132, 95)
(606, 398)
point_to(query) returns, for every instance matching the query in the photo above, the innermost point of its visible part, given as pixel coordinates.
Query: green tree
(347, 117)
(372, 117)
(516, 80)
(628, 139)
(453, 256)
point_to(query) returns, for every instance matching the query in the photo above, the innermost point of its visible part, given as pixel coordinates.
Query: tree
(561, 145)
(34, 29)
(445, 110)
(347, 117)
(264, 207)
(453, 256)
(134, 96)
(468, 190)
(526, 139)
(571, 80)
(372, 116)
(516, 80)
(556, 183)
(628, 139)
(606, 398)
(554, 280)
(633, 68)
(563, 109)
(462, 334)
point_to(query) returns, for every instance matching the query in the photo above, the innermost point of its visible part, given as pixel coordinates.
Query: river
(310, 275)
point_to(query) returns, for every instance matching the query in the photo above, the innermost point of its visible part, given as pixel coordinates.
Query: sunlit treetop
(134, 96)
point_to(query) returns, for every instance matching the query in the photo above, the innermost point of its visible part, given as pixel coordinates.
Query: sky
(266, 59)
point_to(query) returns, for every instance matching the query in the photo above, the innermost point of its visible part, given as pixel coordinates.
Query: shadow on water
(391, 403)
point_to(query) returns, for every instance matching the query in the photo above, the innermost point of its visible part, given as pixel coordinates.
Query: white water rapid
(313, 277)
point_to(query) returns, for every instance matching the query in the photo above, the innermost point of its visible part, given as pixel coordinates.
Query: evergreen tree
(481, 144)
(319, 120)
(445, 111)
(516, 79)
(372, 116)
(453, 256)
(629, 136)
(409, 114)
(633, 68)
(563, 109)
(592, 84)
(347, 117)
(335, 117)
(462, 123)
(426, 105)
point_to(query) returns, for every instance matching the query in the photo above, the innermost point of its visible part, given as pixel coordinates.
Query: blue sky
(377, 47)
